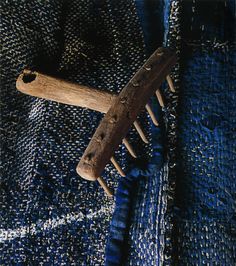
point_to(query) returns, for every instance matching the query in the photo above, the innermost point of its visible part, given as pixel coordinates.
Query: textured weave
(195, 203)
(49, 215)
(205, 191)
(177, 209)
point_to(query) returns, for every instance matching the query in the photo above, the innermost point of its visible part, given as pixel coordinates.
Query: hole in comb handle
(113, 119)
(148, 67)
(88, 157)
(101, 137)
(28, 77)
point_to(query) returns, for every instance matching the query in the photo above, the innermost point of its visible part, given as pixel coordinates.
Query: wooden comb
(121, 110)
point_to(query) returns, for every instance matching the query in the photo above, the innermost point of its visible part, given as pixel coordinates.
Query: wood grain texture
(123, 112)
(58, 90)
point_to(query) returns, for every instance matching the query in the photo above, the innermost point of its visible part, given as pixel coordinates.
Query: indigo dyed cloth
(176, 206)
(50, 215)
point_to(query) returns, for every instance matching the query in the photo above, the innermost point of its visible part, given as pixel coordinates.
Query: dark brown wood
(123, 112)
(43, 86)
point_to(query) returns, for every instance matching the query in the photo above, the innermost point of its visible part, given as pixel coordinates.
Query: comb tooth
(104, 186)
(170, 83)
(160, 98)
(140, 131)
(152, 115)
(129, 147)
(117, 166)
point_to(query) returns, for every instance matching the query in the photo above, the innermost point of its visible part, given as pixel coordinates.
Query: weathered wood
(43, 86)
(123, 109)
(123, 112)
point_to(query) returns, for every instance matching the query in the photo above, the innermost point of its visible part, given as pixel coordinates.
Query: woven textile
(187, 217)
(176, 206)
(49, 215)
(205, 188)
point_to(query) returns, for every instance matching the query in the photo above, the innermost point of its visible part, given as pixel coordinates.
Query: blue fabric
(205, 186)
(50, 215)
(176, 206)
(200, 217)
(140, 198)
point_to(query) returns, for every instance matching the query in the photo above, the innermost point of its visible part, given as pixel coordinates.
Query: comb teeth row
(141, 133)
(121, 110)
(123, 113)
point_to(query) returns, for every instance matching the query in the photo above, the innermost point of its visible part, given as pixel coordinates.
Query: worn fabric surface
(206, 184)
(174, 209)
(188, 216)
(49, 215)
